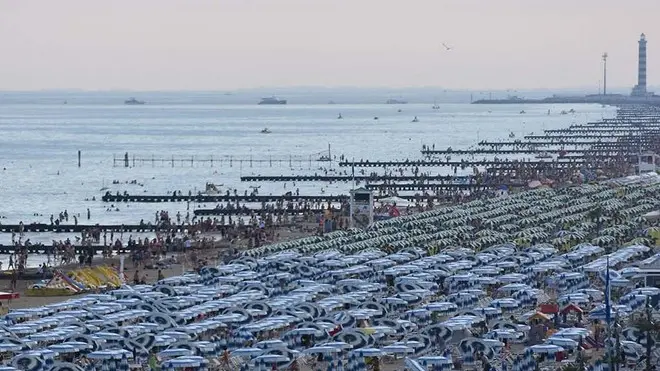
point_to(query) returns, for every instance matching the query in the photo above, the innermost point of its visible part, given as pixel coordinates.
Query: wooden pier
(311, 161)
(68, 228)
(45, 249)
(248, 212)
(567, 161)
(526, 151)
(221, 198)
(439, 186)
(116, 228)
(347, 178)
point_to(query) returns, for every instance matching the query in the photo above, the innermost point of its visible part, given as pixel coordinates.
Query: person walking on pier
(89, 214)
(11, 261)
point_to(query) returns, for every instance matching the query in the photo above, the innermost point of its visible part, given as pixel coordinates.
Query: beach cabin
(362, 208)
(648, 162)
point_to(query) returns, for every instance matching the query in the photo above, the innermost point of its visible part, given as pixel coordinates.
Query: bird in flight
(447, 47)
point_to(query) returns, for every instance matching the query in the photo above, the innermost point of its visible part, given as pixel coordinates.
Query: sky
(239, 44)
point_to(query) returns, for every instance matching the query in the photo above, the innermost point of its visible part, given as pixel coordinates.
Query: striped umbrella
(123, 364)
(49, 363)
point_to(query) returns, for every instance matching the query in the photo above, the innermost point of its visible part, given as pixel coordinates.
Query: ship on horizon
(133, 101)
(272, 100)
(395, 101)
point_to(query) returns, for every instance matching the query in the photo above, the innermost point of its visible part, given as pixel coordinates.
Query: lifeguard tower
(647, 162)
(362, 208)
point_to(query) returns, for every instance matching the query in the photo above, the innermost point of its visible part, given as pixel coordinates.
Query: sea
(40, 174)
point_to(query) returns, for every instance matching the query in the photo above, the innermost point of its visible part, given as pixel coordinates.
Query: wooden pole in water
(78, 158)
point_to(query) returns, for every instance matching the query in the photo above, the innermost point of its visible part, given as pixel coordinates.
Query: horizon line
(300, 87)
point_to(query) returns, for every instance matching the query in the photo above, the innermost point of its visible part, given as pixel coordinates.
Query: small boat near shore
(133, 101)
(271, 101)
(265, 131)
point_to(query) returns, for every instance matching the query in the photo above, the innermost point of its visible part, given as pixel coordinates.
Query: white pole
(121, 269)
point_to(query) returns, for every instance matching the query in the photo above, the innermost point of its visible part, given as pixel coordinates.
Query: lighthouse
(640, 89)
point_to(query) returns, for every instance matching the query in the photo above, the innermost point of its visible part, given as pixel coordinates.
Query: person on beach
(14, 279)
(11, 261)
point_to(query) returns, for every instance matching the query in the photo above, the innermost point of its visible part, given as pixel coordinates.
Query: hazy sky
(230, 44)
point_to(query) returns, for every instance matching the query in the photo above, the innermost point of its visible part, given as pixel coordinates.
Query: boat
(340, 116)
(563, 113)
(435, 105)
(522, 112)
(415, 119)
(272, 100)
(265, 131)
(395, 101)
(133, 101)
(512, 135)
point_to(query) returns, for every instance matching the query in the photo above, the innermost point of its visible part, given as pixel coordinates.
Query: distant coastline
(612, 99)
(315, 96)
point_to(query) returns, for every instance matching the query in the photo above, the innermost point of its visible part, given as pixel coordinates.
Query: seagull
(447, 47)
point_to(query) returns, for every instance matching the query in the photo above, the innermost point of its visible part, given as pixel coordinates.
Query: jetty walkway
(116, 228)
(247, 212)
(346, 178)
(46, 249)
(562, 162)
(220, 198)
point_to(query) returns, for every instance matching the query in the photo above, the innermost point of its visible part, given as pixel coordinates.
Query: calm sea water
(39, 143)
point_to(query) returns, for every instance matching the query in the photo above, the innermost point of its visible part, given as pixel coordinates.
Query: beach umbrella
(322, 350)
(398, 349)
(546, 349)
(562, 342)
(247, 352)
(66, 366)
(175, 352)
(271, 358)
(123, 363)
(443, 362)
(29, 361)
